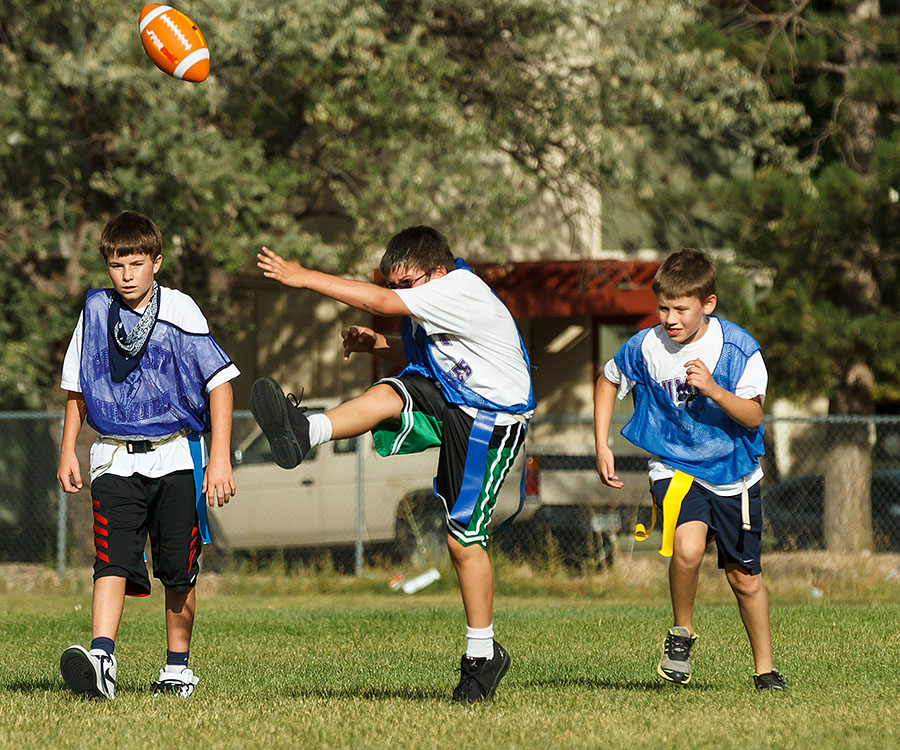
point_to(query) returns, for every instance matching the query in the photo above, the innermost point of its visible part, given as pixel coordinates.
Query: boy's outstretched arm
(604, 399)
(363, 339)
(744, 411)
(359, 294)
(69, 472)
(218, 479)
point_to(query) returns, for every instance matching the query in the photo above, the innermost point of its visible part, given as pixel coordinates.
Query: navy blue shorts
(722, 514)
(129, 509)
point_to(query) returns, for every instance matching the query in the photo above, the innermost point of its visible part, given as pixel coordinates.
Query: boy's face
(132, 276)
(406, 277)
(684, 318)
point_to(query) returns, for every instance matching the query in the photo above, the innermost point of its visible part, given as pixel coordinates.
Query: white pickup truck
(315, 504)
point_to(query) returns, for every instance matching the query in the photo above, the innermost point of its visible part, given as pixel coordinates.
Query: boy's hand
(276, 267)
(357, 339)
(606, 468)
(218, 482)
(699, 376)
(69, 473)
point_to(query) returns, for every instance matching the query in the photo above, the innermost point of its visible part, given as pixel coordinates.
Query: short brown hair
(687, 273)
(130, 233)
(418, 246)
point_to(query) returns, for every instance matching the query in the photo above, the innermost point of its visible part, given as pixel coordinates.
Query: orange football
(174, 43)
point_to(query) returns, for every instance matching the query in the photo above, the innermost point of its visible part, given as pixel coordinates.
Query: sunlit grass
(294, 659)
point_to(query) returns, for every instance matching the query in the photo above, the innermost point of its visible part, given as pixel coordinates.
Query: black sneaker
(283, 421)
(479, 677)
(773, 680)
(675, 665)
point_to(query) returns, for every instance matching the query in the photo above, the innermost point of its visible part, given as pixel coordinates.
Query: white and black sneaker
(90, 673)
(175, 681)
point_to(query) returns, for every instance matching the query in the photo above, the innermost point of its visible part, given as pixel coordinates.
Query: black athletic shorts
(722, 515)
(428, 420)
(129, 509)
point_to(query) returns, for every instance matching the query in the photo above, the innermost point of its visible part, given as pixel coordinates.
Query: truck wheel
(421, 530)
(605, 545)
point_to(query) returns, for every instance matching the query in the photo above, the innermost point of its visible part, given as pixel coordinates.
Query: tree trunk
(848, 469)
(848, 466)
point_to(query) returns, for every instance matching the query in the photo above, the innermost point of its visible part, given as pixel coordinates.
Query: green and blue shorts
(468, 479)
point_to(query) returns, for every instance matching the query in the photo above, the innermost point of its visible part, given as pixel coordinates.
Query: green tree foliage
(832, 319)
(327, 124)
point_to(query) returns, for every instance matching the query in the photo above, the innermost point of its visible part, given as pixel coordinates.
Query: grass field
(326, 661)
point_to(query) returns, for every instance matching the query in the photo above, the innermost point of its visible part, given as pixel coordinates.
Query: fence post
(360, 501)
(62, 509)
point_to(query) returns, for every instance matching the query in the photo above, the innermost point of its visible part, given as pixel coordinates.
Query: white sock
(480, 642)
(319, 429)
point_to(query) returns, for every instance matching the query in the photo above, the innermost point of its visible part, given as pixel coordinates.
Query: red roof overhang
(611, 291)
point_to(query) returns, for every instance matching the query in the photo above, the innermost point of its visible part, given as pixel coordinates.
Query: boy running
(466, 387)
(698, 384)
(145, 372)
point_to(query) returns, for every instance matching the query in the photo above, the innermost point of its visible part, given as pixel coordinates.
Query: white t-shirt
(665, 362)
(181, 311)
(475, 338)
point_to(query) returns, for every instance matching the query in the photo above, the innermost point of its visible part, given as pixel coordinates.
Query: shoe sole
(168, 690)
(269, 408)
(674, 680)
(79, 673)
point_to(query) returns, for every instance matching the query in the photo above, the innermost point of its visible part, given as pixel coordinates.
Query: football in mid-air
(174, 42)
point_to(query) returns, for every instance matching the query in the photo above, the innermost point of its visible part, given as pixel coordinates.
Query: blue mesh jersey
(165, 394)
(701, 439)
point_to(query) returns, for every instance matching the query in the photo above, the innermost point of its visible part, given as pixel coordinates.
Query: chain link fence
(826, 480)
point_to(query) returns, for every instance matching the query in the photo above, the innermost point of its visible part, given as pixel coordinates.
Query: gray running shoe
(773, 680)
(90, 673)
(282, 420)
(675, 665)
(478, 678)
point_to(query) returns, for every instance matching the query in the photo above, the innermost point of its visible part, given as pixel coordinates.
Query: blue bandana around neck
(126, 350)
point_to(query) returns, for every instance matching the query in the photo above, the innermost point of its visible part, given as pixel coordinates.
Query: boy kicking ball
(698, 384)
(144, 370)
(466, 388)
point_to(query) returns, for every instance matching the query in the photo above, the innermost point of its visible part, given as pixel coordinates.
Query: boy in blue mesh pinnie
(144, 371)
(466, 388)
(698, 383)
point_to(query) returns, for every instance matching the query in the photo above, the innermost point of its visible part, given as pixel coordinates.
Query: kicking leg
(359, 415)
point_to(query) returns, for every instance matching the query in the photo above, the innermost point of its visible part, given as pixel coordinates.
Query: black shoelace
(678, 647)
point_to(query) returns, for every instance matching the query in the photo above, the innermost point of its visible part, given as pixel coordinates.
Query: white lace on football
(179, 34)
